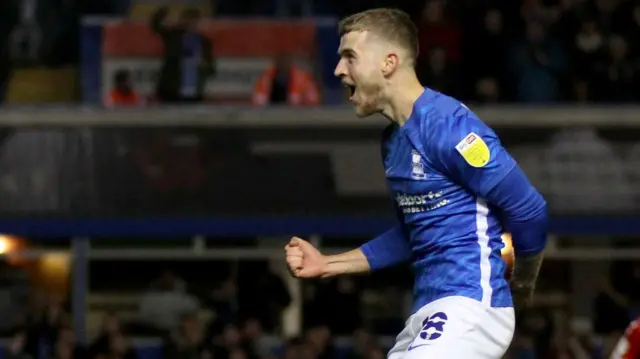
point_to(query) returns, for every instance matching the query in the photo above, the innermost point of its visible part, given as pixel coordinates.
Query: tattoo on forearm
(526, 270)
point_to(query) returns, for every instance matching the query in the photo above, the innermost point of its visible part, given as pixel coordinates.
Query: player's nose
(340, 70)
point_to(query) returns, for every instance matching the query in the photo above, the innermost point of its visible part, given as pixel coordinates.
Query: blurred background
(155, 156)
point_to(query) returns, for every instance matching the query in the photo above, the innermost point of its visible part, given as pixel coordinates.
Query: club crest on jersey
(474, 150)
(417, 167)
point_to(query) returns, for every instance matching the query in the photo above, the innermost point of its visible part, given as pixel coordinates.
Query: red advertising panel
(242, 48)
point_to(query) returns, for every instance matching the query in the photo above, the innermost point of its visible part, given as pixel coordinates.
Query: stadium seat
(40, 85)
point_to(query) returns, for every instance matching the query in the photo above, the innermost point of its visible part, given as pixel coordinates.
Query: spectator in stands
(581, 91)
(62, 351)
(67, 347)
(588, 45)
(226, 341)
(284, 82)
(102, 345)
(168, 279)
(536, 64)
(618, 73)
(16, 348)
(569, 22)
(296, 349)
(46, 326)
(14, 293)
(488, 91)
(440, 74)
(123, 93)
(224, 302)
(521, 347)
(319, 340)
(119, 348)
(614, 299)
(187, 341)
(607, 13)
(251, 338)
(188, 60)
(363, 342)
(539, 325)
(238, 354)
(257, 277)
(631, 25)
(534, 337)
(485, 60)
(438, 30)
(375, 353)
(166, 303)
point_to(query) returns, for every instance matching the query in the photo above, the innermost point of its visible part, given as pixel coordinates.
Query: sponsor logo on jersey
(474, 150)
(420, 203)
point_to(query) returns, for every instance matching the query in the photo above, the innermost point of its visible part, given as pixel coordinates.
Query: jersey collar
(423, 103)
(412, 128)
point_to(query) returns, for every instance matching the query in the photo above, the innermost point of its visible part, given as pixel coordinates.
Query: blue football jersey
(438, 166)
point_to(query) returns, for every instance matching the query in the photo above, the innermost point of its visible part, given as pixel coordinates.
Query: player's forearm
(388, 249)
(525, 216)
(526, 272)
(532, 236)
(524, 211)
(352, 262)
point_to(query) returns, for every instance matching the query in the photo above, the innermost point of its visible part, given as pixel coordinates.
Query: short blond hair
(390, 24)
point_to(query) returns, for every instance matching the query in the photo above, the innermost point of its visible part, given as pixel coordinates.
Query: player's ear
(390, 64)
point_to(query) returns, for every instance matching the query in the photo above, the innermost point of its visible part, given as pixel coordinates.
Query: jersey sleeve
(470, 154)
(388, 249)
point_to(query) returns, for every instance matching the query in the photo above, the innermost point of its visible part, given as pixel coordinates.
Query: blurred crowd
(532, 51)
(228, 322)
(176, 319)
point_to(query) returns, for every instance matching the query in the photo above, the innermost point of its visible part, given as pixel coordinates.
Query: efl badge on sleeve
(474, 150)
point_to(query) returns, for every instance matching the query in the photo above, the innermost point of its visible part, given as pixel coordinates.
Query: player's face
(360, 69)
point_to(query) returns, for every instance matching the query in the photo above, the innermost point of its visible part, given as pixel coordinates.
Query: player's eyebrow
(346, 52)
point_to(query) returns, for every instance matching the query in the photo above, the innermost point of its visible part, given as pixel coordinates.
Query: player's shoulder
(446, 121)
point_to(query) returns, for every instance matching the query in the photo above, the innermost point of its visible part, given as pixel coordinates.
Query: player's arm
(525, 216)
(389, 248)
(351, 262)
(386, 250)
(471, 154)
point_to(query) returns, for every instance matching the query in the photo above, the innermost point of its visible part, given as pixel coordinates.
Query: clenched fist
(303, 259)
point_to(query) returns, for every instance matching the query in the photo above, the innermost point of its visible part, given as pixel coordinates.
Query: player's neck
(402, 95)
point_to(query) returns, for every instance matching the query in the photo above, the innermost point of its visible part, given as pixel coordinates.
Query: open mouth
(352, 90)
